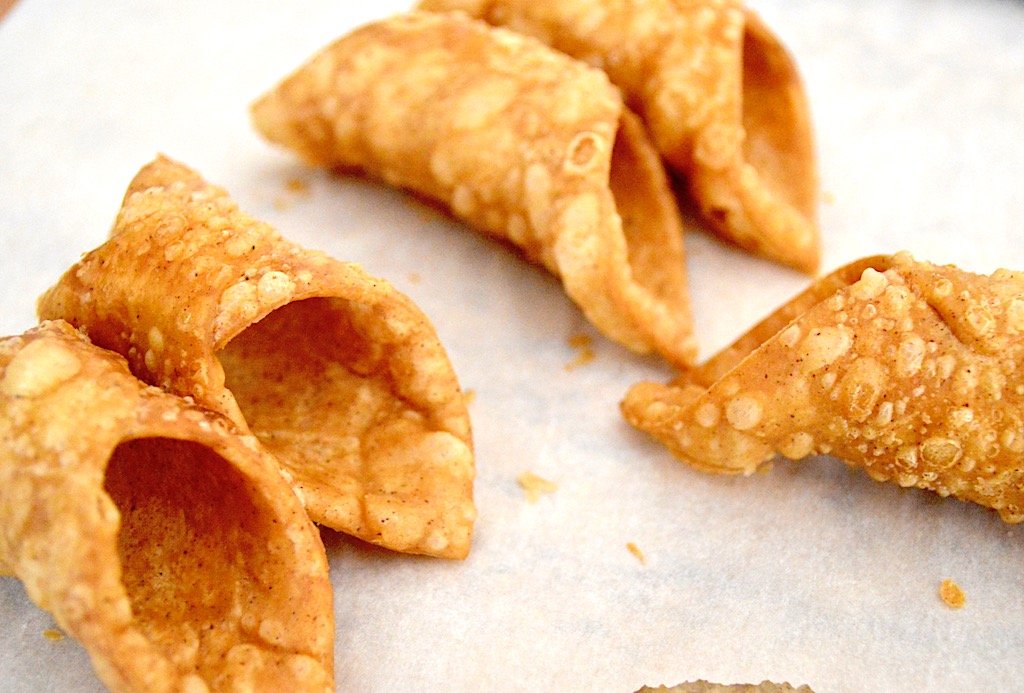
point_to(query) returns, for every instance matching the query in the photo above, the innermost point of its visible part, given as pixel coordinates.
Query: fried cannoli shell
(720, 95)
(905, 368)
(170, 546)
(338, 374)
(522, 142)
(702, 686)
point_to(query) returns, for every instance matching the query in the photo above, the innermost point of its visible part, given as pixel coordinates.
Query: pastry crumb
(294, 186)
(952, 594)
(535, 486)
(297, 185)
(702, 686)
(579, 341)
(53, 635)
(635, 550)
(584, 355)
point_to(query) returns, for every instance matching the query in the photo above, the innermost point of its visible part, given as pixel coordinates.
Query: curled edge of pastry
(164, 541)
(721, 96)
(337, 373)
(519, 141)
(904, 368)
(757, 186)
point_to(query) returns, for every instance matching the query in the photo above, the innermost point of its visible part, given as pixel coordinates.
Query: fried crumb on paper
(535, 486)
(952, 594)
(584, 354)
(703, 686)
(294, 187)
(580, 341)
(297, 185)
(635, 550)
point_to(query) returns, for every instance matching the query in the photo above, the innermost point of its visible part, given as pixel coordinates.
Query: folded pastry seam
(719, 93)
(902, 367)
(520, 141)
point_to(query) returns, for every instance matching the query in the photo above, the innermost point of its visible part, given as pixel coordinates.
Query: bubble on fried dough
(484, 101)
(307, 352)
(909, 395)
(584, 152)
(40, 367)
(707, 414)
(274, 287)
(130, 480)
(797, 445)
(861, 387)
(743, 412)
(941, 452)
(519, 141)
(872, 283)
(701, 74)
(822, 346)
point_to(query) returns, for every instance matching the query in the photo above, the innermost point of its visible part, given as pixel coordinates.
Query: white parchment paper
(811, 574)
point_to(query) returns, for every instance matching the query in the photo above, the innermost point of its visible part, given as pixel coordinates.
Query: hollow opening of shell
(192, 546)
(311, 383)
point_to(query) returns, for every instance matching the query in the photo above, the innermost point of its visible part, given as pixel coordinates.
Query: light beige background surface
(812, 573)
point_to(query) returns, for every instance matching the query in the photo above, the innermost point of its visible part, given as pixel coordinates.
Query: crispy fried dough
(708, 687)
(522, 142)
(720, 95)
(166, 543)
(908, 369)
(339, 375)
